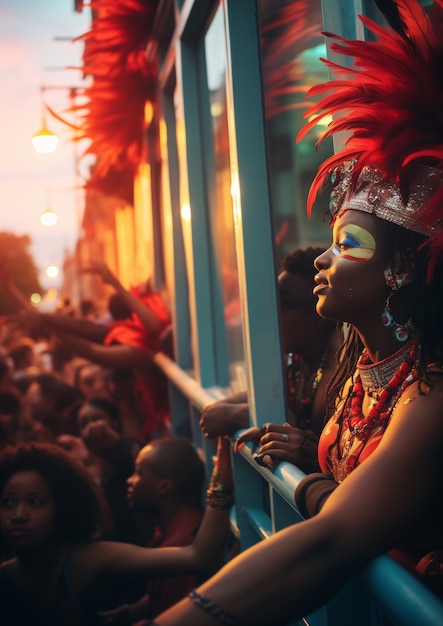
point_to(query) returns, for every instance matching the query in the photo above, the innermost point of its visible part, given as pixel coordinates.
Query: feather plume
(390, 102)
(110, 112)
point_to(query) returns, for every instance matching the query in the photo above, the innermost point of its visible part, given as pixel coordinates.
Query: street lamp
(48, 217)
(52, 271)
(45, 141)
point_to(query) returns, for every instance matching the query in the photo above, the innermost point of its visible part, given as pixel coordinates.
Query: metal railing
(384, 594)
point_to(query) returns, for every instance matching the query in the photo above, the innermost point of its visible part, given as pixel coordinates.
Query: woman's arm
(119, 356)
(226, 416)
(301, 567)
(82, 328)
(148, 318)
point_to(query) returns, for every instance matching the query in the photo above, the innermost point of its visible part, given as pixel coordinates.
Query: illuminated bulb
(52, 271)
(44, 141)
(35, 298)
(48, 218)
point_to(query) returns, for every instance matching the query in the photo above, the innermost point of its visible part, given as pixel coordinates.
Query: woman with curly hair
(52, 517)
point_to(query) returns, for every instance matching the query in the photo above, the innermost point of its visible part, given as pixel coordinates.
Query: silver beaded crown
(374, 194)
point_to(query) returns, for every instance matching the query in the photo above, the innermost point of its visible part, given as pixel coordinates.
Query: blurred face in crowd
(37, 406)
(145, 486)
(91, 381)
(90, 414)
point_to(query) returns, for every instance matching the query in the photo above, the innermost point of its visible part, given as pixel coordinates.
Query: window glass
(220, 199)
(291, 44)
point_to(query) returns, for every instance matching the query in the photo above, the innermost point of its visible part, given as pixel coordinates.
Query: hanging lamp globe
(48, 217)
(45, 141)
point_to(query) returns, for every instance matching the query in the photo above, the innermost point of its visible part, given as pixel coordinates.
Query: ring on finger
(285, 437)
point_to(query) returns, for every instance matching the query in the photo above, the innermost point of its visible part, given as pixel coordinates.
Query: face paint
(355, 243)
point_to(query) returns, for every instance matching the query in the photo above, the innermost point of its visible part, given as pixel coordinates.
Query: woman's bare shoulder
(419, 410)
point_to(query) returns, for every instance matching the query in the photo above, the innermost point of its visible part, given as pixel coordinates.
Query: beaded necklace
(385, 386)
(300, 399)
(360, 426)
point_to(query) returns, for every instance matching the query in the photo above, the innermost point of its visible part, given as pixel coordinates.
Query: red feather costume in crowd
(151, 386)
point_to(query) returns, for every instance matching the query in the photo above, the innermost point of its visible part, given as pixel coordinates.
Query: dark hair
(178, 460)
(121, 375)
(81, 513)
(23, 383)
(118, 308)
(421, 300)
(301, 262)
(10, 403)
(86, 307)
(21, 351)
(4, 369)
(63, 394)
(109, 406)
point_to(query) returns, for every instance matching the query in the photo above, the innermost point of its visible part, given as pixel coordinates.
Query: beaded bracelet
(212, 608)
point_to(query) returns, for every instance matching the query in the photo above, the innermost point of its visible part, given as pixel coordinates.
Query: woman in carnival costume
(381, 450)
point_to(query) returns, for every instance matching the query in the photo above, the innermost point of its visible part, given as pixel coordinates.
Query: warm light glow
(48, 217)
(235, 193)
(185, 212)
(52, 271)
(149, 112)
(35, 298)
(217, 109)
(44, 141)
(324, 122)
(51, 294)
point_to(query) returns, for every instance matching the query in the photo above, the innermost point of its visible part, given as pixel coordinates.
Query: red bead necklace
(378, 414)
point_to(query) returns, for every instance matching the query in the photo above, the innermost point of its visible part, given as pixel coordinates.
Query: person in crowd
(168, 484)
(122, 385)
(90, 380)
(382, 275)
(129, 343)
(309, 343)
(6, 382)
(87, 309)
(50, 408)
(52, 516)
(109, 458)
(22, 356)
(10, 418)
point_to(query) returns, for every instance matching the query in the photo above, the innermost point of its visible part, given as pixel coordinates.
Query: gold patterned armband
(218, 495)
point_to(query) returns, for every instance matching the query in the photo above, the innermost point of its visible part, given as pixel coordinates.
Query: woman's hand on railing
(281, 442)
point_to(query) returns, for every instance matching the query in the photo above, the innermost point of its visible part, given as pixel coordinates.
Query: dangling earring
(393, 280)
(401, 332)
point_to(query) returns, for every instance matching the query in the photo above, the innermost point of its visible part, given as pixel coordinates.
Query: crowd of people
(101, 518)
(90, 469)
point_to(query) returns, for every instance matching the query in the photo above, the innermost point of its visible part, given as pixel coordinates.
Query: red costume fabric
(152, 386)
(181, 532)
(421, 553)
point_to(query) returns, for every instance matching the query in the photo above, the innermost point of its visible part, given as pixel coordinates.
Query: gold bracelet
(218, 495)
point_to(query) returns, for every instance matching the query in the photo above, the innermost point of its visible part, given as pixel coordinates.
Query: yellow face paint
(356, 243)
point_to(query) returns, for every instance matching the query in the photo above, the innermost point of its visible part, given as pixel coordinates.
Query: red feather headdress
(391, 104)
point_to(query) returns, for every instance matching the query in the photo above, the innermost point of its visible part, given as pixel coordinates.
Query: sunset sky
(34, 50)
